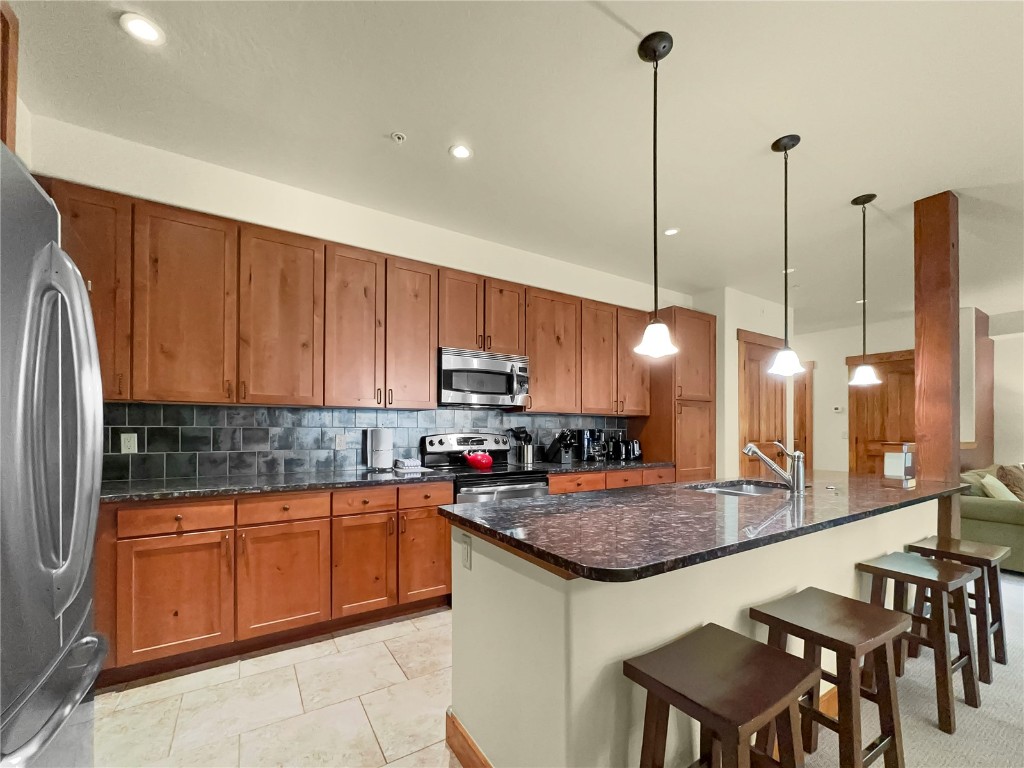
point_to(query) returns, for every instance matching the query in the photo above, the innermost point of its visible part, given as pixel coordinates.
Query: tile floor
(368, 697)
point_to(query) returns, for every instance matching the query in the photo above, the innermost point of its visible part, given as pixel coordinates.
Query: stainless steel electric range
(502, 481)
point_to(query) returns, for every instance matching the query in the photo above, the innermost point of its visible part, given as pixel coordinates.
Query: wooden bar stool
(733, 686)
(853, 630)
(988, 592)
(946, 583)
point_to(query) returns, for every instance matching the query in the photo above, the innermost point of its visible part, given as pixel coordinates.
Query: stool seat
(717, 676)
(915, 569)
(839, 623)
(964, 551)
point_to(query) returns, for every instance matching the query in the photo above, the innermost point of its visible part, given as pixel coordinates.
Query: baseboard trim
(462, 744)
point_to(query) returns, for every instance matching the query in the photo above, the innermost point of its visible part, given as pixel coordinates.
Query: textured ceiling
(901, 99)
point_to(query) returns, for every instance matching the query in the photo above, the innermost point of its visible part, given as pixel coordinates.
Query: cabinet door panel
(695, 440)
(284, 576)
(354, 327)
(411, 346)
(424, 555)
(599, 345)
(461, 310)
(553, 345)
(505, 325)
(280, 318)
(174, 594)
(634, 371)
(185, 330)
(365, 563)
(695, 363)
(577, 483)
(96, 231)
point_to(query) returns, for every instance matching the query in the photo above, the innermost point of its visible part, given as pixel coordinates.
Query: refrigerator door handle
(96, 647)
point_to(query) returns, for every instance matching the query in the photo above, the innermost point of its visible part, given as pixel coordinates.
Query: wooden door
(284, 576)
(174, 594)
(354, 327)
(280, 318)
(411, 347)
(185, 311)
(695, 441)
(96, 231)
(365, 563)
(883, 413)
(695, 365)
(762, 405)
(460, 321)
(633, 371)
(424, 555)
(803, 413)
(505, 310)
(598, 357)
(553, 345)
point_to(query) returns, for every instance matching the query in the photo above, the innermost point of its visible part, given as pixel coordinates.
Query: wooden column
(937, 346)
(8, 74)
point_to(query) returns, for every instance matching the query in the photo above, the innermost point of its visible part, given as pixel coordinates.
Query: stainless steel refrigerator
(50, 463)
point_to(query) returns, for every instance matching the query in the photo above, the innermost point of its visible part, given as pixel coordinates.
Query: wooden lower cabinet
(424, 555)
(576, 482)
(365, 562)
(283, 577)
(175, 594)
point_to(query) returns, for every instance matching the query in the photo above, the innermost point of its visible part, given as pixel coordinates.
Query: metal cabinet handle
(179, 518)
(245, 393)
(88, 285)
(120, 383)
(403, 524)
(226, 546)
(286, 507)
(228, 385)
(366, 501)
(622, 406)
(579, 483)
(488, 342)
(391, 526)
(426, 495)
(480, 341)
(391, 396)
(679, 390)
(380, 395)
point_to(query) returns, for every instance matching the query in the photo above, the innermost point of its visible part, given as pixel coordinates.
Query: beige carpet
(988, 737)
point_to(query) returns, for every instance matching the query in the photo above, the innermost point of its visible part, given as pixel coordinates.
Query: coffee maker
(590, 445)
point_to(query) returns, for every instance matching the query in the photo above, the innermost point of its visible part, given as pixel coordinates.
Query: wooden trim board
(462, 744)
(759, 338)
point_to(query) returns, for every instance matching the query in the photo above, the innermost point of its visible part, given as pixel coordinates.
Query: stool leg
(710, 749)
(920, 601)
(787, 723)
(808, 726)
(995, 590)
(983, 625)
(888, 705)
(851, 752)
(899, 603)
(735, 751)
(877, 598)
(652, 751)
(938, 629)
(965, 647)
(765, 740)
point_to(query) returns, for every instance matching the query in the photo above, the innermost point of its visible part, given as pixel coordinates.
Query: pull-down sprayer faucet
(795, 481)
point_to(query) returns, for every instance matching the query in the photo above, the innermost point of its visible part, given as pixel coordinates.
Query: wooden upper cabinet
(424, 555)
(96, 231)
(354, 327)
(633, 370)
(505, 310)
(553, 344)
(411, 331)
(284, 576)
(695, 335)
(185, 311)
(365, 563)
(460, 310)
(599, 344)
(280, 318)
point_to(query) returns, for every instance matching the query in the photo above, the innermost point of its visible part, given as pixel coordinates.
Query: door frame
(743, 338)
(808, 408)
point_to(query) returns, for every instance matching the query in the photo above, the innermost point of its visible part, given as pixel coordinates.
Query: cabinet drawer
(659, 476)
(624, 479)
(370, 499)
(174, 518)
(585, 481)
(425, 495)
(283, 507)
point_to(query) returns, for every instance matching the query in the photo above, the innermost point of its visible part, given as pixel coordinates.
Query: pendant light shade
(656, 341)
(864, 375)
(786, 362)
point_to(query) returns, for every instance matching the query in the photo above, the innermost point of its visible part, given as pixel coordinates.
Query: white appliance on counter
(380, 448)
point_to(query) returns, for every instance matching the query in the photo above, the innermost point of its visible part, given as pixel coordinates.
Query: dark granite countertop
(635, 533)
(181, 488)
(598, 466)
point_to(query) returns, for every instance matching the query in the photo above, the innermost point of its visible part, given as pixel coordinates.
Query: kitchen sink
(745, 489)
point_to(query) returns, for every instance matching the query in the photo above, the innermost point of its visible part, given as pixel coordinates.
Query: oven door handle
(480, 490)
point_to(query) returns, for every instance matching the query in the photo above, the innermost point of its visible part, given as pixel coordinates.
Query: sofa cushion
(996, 490)
(973, 478)
(992, 510)
(1013, 478)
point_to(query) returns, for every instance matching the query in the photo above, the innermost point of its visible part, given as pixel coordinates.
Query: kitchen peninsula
(551, 594)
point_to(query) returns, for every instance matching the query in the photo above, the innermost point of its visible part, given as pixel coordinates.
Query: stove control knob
(504, 441)
(430, 442)
(441, 441)
(496, 441)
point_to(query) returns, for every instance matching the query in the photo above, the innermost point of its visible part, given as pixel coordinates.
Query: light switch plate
(129, 442)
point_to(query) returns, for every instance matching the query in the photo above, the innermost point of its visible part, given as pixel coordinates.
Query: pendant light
(864, 375)
(786, 363)
(656, 341)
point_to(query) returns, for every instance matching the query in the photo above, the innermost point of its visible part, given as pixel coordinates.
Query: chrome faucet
(795, 481)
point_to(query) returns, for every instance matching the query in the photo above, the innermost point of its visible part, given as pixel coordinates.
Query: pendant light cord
(785, 244)
(864, 283)
(655, 176)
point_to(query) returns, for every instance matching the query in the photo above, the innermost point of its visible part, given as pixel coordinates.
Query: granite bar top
(597, 466)
(191, 487)
(635, 533)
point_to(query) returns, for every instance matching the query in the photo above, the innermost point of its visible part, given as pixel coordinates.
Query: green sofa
(993, 521)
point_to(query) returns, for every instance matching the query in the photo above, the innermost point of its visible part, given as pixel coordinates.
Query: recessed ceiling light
(142, 29)
(672, 231)
(861, 301)
(789, 271)
(460, 151)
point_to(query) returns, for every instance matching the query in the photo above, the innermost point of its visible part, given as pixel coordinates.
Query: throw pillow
(973, 478)
(1013, 478)
(996, 489)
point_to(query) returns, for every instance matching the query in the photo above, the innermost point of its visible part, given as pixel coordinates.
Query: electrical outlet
(467, 552)
(129, 443)
(339, 442)
(845, 435)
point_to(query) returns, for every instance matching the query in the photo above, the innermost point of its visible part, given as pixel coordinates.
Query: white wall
(1009, 399)
(89, 157)
(23, 134)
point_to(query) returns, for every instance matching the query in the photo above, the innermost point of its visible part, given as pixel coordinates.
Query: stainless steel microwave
(470, 378)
